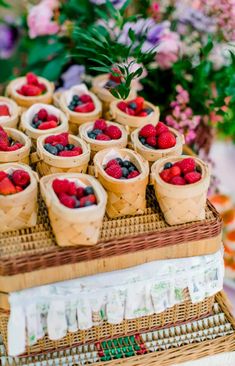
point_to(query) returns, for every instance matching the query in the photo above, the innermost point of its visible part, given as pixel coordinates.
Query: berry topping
(148, 131)
(32, 88)
(166, 140)
(2, 175)
(151, 141)
(21, 178)
(133, 174)
(103, 137)
(59, 145)
(135, 107)
(100, 124)
(192, 177)
(121, 169)
(114, 171)
(67, 200)
(44, 121)
(179, 181)
(7, 187)
(182, 172)
(113, 132)
(187, 165)
(69, 153)
(85, 108)
(7, 143)
(4, 110)
(112, 162)
(160, 128)
(14, 183)
(82, 104)
(104, 132)
(43, 115)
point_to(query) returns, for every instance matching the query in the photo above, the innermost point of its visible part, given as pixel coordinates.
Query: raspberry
(192, 177)
(31, 79)
(175, 171)
(147, 131)
(69, 153)
(47, 125)
(18, 189)
(130, 111)
(43, 115)
(85, 108)
(30, 90)
(100, 124)
(62, 139)
(15, 147)
(166, 140)
(142, 114)
(133, 174)
(78, 149)
(4, 145)
(91, 198)
(7, 187)
(152, 141)
(72, 189)
(112, 162)
(80, 192)
(122, 106)
(166, 175)
(179, 181)
(60, 185)
(2, 175)
(42, 87)
(85, 98)
(4, 110)
(113, 132)
(114, 171)
(67, 200)
(21, 178)
(160, 128)
(103, 137)
(52, 117)
(187, 165)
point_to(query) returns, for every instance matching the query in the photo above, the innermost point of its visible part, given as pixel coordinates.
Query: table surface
(222, 359)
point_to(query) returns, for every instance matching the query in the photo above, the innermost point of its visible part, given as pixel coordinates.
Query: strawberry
(147, 131)
(91, 198)
(42, 87)
(2, 175)
(100, 124)
(60, 185)
(52, 117)
(69, 153)
(15, 147)
(112, 162)
(160, 128)
(102, 137)
(18, 189)
(21, 178)
(62, 139)
(67, 200)
(72, 189)
(114, 171)
(47, 125)
(4, 110)
(187, 165)
(7, 187)
(152, 141)
(140, 103)
(175, 171)
(133, 174)
(166, 140)
(122, 106)
(43, 115)
(130, 111)
(80, 192)
(166, 175)
(192, 177)
(113, 132)
(78, 149)
(31, 79)
(85, 98)
(85, 108)
(177, 180)
(142, 114)
(30, 90)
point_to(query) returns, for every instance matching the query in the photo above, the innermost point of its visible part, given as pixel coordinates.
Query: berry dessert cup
(124, 175)
(9, 113)
(61, 153)
(76, 206)
(156, 142)
(134, 113)
(14, 146)
(102, 134)
(18, 197)
(41, 119)
(101, 86)
(181, 185)
(80, 105)
(30, 89)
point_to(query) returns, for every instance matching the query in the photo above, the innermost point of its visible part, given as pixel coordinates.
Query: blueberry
(91, 135)
(88, 190)
(148, 110)
(88, 203)
(142, 140)
(97, 132)
(132, 105)
(168, 166)
(110, 84)
(125, 172)
(70, 146)
(120, 161)
(131, 168)
(126, 164)
(75, 98)
(59, 147)
(51, 149)
(37, 124)
(71, 107)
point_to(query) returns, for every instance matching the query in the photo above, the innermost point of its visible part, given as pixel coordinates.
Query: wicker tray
(31, 257)
(176, 315)
(168, 354)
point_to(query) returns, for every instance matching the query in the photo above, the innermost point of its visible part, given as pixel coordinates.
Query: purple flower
(72, 76)
(197, 20)
(8, 37)
(117, 3)
(140, 27)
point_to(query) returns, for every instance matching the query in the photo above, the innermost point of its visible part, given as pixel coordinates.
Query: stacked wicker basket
(133, 231)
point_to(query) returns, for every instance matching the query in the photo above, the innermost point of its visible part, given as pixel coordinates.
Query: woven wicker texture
(19, 210)
(181, 204)
(24, 101)
(178, 314)
(18, 156)
(49, 164)
(35, 248)
(15, 110)
(125, 197)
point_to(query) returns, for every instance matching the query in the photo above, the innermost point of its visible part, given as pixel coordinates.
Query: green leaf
(100, 69)
(4, 4)
(207, 49)
(131, 35)
(53, 68)
(38, 52)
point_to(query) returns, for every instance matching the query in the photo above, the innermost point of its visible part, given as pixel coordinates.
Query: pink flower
(40, 21)
(168, 49)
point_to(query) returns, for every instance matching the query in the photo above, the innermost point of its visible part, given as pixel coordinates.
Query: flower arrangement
(179, 52)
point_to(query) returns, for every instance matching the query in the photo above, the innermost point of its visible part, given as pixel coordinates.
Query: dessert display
(124, 175)
(156, 141)
(14, 146)
(181, 186)
(80, 105)
(9, 112)
(76, 206)
(18, 197)
(135, 107)
(61, 153)
(30, 89)
(42, 120)
(7, 143)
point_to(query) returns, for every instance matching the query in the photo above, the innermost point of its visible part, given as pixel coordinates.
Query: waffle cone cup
(18, 156)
